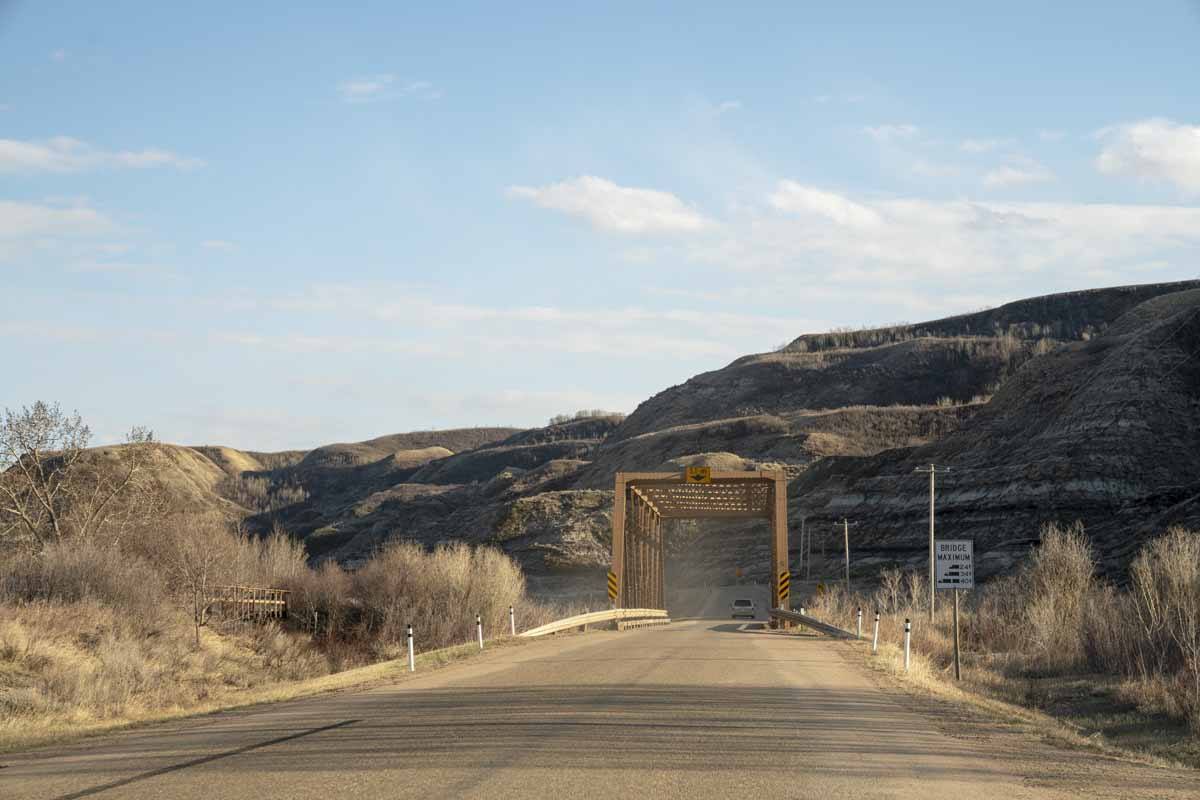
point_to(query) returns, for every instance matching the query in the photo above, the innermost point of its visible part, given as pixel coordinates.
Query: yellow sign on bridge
(697, 474)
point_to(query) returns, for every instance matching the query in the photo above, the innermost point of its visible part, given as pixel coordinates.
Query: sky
(273, 225)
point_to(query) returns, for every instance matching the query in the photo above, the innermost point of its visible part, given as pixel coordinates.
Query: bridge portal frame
(642, 500)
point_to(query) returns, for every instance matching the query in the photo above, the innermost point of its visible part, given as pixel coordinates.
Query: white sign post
(955, 570)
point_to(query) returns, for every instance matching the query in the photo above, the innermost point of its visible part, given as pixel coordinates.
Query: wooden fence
(254, 603)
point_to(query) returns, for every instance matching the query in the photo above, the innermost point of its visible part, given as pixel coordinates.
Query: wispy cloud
(373, 88)
(793, 197)
(123, 268)
(1047, 135)
(848, 99)
(912, 239)
(1020, 173)
(983, 145)
(27, 228)
(618, 209)
(1155, 150)
(64, 154)
(890, 133)
(26, 220)
(728, 106)
(58, 55)
(217, 244)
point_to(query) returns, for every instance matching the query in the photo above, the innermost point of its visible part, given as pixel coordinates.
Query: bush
(438, 592)
(69, 572)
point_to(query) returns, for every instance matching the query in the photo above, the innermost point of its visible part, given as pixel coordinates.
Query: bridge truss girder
(642, 500)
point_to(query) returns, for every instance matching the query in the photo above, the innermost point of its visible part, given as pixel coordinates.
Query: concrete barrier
(595, 618)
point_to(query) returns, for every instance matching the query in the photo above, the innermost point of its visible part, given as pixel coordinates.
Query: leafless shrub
(438, 592)
(1166, 601)
(71, 572)
(1056, 583)
(891, 585)
(917, 589)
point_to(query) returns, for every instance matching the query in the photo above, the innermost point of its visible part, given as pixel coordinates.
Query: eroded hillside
(1074, 406)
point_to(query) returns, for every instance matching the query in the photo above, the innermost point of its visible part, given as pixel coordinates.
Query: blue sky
(279, 225)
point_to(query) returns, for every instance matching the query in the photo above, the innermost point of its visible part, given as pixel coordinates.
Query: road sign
(612, 586)
(697, 475)
(955, 563)
(785, 584)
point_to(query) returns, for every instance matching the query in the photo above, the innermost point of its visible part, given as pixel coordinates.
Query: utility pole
(803, 557)
(808, 560)
(846, 542)
(933, 470)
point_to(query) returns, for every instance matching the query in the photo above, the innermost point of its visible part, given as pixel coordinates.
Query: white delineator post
(875, 636)
(479, 629)
(512, 620)
(412, 661)
(907, 638)
(859, 622)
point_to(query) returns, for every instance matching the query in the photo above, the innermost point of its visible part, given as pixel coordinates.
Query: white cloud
(727, 106)
(1153, 149)
(849, 99)
(384, 87)
(983, 145)
(123, 268)
(217, 244)
(28, 220)
(619, 209)
(1047, 135)
(29, 228)
(1020, 173)
(795, 198)
(933, 169)
(58, 55)
(888, 133)
(64, 154)
(877, 243)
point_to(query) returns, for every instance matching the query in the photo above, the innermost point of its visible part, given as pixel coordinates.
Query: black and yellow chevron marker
(785, 584)
(612, 586)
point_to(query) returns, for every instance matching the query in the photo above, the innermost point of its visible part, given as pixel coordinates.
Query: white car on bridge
(744, 607)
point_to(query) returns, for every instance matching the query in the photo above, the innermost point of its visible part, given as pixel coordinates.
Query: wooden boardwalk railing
(257, 603)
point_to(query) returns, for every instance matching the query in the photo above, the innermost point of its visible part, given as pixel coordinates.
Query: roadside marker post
(956, 570)
(412, 661)
(784, 589)
(860, 623)
(907, 637)
(875, 636)
(512, 620)
(613, 587)
(479, 629)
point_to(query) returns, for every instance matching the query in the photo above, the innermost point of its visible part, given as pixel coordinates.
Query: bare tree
(48, 490)
(199, 552)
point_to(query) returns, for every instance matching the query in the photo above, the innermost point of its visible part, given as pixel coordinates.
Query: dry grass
(233, 670)
(1116, 667)
(96, 634)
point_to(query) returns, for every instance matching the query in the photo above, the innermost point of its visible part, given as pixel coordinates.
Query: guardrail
(595, 618)
(811, 622)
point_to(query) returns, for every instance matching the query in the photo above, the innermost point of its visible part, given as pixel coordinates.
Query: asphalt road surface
(700, 708)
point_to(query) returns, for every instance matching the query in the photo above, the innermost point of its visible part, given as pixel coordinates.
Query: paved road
(700, 708)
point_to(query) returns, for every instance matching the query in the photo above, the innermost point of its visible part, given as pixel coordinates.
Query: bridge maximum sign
(955, 563)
